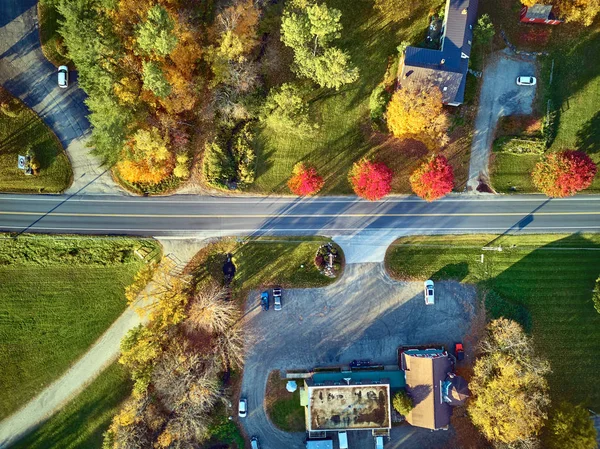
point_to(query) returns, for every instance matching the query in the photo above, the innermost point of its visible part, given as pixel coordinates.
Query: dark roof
(421, 63)
(425, 374)
(539, 12)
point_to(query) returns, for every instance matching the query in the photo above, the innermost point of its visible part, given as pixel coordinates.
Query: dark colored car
(459, 351)
(360, 363)
(264, 300)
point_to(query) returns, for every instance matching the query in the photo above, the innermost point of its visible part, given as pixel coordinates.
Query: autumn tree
(580, 11)
(402, 403)
(146, 158)
(309, 28)
(510, 392)
(396, 9)
(305, 180)
(285, 110)
(570, 426)
(433, 179)
(416, 111)
(209, 311)
(370, 180)
(155, 34)
(564, 173)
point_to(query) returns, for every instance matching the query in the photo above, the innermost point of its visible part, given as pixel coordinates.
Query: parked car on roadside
(277, 298)
(429, 293)
(254, 443)
(526, 81)
(63, 76)
(459, 351)
(243, 408)
(264, 300)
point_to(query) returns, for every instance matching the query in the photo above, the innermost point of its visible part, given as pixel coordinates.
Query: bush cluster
(517, 145)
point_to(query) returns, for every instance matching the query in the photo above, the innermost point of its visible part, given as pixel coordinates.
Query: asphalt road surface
(197, 216)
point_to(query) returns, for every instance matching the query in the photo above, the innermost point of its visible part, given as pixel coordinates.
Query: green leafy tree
(244, 155)
(285, 110)
(596, 296)
(154, 79)
(484, 30)
(217, 167)
(570, 426)
(309, 29)
(402, 403)
(156, 35)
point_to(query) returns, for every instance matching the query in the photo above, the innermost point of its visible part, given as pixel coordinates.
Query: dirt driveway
(500, 96)
(365, 315)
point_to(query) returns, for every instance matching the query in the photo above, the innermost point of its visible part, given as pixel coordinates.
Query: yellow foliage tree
(530, 3)
(510, 392)
(146, 158)
(580, 11)
(416, 111)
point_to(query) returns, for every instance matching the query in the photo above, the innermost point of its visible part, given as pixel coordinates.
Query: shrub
(596, 296)
(244, 156)
(433, 179)
(217, 166)
(402, 403)
(370, 180)
(516, 145)
(378, 101)
(182, 169)
(305, 180)
(564, 174)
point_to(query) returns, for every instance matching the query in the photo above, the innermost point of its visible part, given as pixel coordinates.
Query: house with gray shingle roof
(446, 67)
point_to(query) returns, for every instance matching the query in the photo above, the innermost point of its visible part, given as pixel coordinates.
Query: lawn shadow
(588, 137)
(456, 271)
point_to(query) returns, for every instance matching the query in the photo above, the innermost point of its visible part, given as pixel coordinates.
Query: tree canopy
(510, 391)
(416, 111)
(370, 180)
(309, 29)
(155, 35)
(564, 174)
(433, 179)
(305, 180)
(570, 426)
(286, 110)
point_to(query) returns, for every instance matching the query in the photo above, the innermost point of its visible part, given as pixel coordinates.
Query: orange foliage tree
(433, 179)
(146, 158)
(305, 180)
(416, 111)
(564, 174)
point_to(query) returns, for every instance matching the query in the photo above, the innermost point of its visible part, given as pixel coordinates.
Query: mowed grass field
(263, 262)
(575, 94)
(81, 423)
(345, 134)
(551, 275)
(57, 296)
(23, 130)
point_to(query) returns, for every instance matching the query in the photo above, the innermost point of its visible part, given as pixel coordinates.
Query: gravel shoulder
(365, 315)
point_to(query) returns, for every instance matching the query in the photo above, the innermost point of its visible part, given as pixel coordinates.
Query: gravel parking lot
(365, 315)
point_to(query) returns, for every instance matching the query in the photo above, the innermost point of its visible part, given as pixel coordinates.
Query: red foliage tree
(433, 179)
(564, 174)
(370, 180)
(305, 180)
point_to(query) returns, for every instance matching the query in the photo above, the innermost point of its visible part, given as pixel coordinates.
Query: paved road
(500, 96)
(196, 216)
(25, 72)
(339, 323)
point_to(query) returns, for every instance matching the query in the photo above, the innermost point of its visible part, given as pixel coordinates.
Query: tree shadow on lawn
(556, 285)
(456, 271)
(588, 137)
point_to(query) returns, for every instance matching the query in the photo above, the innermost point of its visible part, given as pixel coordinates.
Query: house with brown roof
(433, 387)
(447, 66)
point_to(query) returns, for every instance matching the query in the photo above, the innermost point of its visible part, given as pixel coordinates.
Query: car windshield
(430, 292)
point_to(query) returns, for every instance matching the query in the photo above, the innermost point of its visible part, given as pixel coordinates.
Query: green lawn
(18, 133)
(575, 94)
(57, 296)
(552, 276)
(345, 133)
(81, 423)
(283, 408)
(263, 262)
(51, 41)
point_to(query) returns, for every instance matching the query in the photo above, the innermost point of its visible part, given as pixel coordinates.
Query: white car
(429, 295)
(63, 76)
(526, 81)
(277, 298)
(378, 442)
(243, 408)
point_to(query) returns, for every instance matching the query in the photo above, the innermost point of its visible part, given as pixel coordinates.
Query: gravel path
(500, 96)
(100, 355)
(27, 74)
(365, 315)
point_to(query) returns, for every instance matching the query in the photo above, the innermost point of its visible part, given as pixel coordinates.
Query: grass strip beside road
(57, 296)
(263, 262)
(81, 423)
(23, 129)
(552, 276)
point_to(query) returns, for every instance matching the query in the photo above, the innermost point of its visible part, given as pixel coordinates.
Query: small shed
(539, 14)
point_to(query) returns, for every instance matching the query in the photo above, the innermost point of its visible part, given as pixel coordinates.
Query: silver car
(429, 294)
(243, 408)
(63, 76)
(526, 81)
(277, 298)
